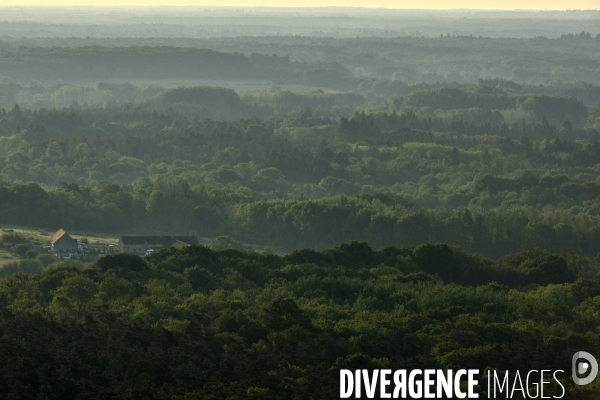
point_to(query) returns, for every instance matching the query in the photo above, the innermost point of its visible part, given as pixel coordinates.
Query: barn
(61, 241)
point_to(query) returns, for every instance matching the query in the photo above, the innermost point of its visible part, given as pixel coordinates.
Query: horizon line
(100, 6)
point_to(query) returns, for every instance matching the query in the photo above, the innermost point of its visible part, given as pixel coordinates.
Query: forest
(402, 190)
(197, 323)
(471, 180)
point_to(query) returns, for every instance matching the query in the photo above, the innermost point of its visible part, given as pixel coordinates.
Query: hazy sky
(410, 4)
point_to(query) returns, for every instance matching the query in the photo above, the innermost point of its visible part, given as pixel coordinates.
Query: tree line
(199, 323)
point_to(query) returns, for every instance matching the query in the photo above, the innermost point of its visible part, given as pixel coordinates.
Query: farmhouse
(62, 242)
(141, 244)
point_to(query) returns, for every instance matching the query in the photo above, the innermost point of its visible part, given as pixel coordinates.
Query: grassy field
(41, 237)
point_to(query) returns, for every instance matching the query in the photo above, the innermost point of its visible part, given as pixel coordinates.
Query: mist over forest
(366, 189)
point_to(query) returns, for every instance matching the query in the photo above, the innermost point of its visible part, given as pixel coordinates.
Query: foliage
(195, 322)
(471, 164)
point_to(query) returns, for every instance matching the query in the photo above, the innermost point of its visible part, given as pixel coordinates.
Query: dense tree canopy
(199, 323)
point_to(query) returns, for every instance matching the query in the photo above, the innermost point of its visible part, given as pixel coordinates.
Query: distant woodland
(463, 176)
(420, 190)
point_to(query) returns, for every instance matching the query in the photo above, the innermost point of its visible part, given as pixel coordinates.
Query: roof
(59, 233)
(179, 244)
(166, 241)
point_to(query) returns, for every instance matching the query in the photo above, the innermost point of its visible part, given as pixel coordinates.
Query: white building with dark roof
(141, 244)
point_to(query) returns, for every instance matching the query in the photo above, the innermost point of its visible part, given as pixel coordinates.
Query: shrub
(11, 238)
(46, 259)
(20, 249)
(30, 266)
